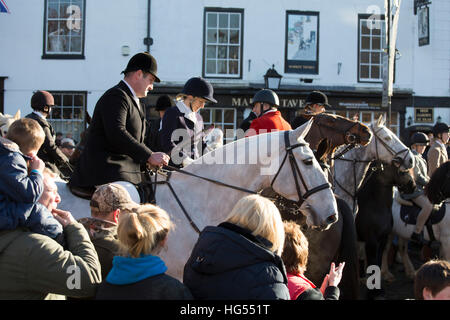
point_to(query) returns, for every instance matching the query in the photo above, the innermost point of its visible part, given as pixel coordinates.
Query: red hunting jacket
(270, 121)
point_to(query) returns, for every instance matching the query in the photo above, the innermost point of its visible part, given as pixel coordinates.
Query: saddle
(409, 214)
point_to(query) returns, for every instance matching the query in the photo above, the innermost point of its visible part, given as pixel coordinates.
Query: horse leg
(403, 250)
(385, 273)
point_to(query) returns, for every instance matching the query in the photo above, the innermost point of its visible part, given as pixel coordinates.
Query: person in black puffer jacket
(240, 258)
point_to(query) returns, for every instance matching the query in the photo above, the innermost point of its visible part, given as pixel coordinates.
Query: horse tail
(348, 253)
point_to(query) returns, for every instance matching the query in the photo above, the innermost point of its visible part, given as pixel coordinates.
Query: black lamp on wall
(272, 78)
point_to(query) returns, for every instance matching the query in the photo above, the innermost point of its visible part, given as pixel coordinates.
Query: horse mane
(438, 188)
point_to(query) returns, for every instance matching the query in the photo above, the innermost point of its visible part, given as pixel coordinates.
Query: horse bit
(295, 172)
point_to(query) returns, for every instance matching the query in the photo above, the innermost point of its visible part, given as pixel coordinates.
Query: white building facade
(76, 49)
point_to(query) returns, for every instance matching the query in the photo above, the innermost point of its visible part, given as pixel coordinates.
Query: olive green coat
(34, 266)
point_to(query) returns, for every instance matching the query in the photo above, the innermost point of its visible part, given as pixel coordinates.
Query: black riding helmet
(266, 96)
(440, 127)
(420, 138)
(199, 87)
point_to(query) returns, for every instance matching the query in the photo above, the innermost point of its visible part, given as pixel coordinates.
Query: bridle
(349, 138)
(295, 171)
(355, 161)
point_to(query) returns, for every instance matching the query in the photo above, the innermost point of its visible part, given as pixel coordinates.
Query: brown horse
(327, 133)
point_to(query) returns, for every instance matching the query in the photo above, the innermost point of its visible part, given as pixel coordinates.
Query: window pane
(217, 115)
(77, 113)
(56, 113)
(212, 36)
(75, 44)
(67, 100)
(212, 20)
(223, 20)
(53, 9)
(377, 31)
(211, 52)
(222, 52)
(376, 43)
(364, 72)
(228, 116)
(223, 36)
(365, 43)
(67, 113)
(234, 67)
(364, 28)
(222, 67)
(78, 100)
(205, 115)
(364, 57)
(375, 72)
(234, 36)
(235, 20)
(234, 52)
(210, 66)
(375, 58)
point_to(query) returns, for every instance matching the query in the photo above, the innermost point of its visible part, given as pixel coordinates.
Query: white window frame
(395, 127)
(209, 57)
(372, 24)
(58, 117)
(220, 124)
(71, 21)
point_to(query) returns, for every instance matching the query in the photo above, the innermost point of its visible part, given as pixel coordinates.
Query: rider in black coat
(115, 148)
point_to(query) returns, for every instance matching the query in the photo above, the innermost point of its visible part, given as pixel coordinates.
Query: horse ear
(17, 115)
(381, 120)
(303, 130)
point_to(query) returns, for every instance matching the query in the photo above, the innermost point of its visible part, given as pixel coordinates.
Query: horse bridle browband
(295, 172)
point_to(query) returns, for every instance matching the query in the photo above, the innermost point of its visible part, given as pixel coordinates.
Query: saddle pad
(409, 214)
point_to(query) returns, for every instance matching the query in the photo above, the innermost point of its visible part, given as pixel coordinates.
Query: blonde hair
(295, 252)
(261, 217)
(27, 133)
(142, 230)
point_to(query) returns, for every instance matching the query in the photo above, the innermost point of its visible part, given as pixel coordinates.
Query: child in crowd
(432, 281)
(21, 181)
(295, 258)
(139, 273)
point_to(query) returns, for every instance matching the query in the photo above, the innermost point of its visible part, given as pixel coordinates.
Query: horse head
(391, 175)
(301, 179)
(6, 120)
(329, 131)
(387, 147)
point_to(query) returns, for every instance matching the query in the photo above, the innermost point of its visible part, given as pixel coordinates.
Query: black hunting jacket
(115, 146)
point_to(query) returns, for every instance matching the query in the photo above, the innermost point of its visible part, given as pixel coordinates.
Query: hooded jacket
(228, 262)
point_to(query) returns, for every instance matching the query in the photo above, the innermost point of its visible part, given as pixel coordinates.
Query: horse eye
(308, 161)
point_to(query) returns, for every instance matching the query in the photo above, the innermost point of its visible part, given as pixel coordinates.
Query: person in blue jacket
(22, 184)
(186, 144)
(240, 259)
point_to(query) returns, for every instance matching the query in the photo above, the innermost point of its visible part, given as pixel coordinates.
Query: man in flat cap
(42, 103)
(316, 102)
(115, 148)
(107, 202)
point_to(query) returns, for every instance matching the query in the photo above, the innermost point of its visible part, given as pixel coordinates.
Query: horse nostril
(332, 219)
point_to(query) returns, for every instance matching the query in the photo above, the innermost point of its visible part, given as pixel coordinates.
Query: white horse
(249, 165)
(441, 232)
(351, 167)
(6, 120)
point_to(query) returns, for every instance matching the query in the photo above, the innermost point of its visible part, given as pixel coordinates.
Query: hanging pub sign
(423, 26)
(423, 115)
(302, 42)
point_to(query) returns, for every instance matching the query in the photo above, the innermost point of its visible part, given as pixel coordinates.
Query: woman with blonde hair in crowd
(138, 273)
(295, 258)
(240, 258)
